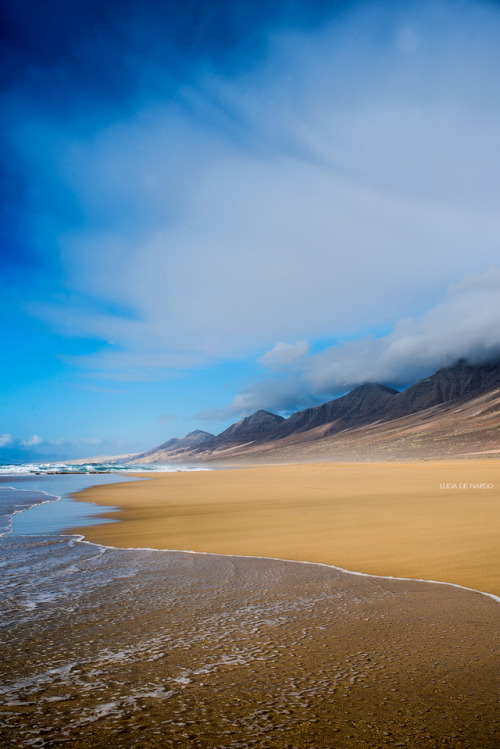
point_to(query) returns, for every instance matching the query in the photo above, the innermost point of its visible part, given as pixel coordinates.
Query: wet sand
(164, 649)
(421, 520)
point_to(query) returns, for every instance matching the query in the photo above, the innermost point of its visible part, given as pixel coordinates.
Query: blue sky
(214, 207)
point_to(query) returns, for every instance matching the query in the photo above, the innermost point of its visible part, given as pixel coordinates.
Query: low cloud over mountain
(466, 324)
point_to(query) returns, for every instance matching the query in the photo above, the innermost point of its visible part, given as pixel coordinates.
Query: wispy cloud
(9, 440)
(136, 365)
(284, 355)
(326, 189)
(33, 441)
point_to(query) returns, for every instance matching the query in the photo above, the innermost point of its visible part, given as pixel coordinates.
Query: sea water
(40, 469)
(51, 509)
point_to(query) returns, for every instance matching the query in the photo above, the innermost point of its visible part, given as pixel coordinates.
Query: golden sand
(427, 520)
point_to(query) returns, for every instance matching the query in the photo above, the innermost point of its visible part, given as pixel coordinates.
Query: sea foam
(26, 469)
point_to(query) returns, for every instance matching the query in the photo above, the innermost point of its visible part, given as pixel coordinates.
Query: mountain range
(453, 413)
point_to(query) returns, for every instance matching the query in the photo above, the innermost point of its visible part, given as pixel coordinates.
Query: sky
(211, 207)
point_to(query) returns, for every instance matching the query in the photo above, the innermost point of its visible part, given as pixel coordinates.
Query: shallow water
(112, 647)
(51, 509)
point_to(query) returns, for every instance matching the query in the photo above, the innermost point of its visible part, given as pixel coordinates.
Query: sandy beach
(113, 647)
(435, 520)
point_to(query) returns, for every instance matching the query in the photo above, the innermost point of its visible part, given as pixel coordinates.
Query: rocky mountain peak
(199, 433)
(258, 425)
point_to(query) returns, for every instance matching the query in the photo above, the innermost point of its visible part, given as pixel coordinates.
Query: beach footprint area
(125, 647)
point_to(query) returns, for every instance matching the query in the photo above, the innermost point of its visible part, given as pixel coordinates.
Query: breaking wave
(68, 468)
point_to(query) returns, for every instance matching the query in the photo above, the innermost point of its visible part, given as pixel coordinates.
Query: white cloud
(284, 355)
(466, 324)
(9, 440)
(32, 441)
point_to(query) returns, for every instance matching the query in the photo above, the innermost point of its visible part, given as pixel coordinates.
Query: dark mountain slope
(468, 427)
(370, 403)
(362, 405)
(447, 384)
(259, 426)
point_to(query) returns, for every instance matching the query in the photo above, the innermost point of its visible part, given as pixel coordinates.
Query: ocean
(42, 469)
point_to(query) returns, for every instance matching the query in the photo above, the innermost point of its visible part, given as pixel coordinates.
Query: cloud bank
(466, 324)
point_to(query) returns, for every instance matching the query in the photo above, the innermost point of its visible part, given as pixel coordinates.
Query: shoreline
(200, 512)
(83, 539)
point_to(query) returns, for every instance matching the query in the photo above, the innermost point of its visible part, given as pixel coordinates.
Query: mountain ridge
(367, 407)
(250, 428)
(174, 447)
